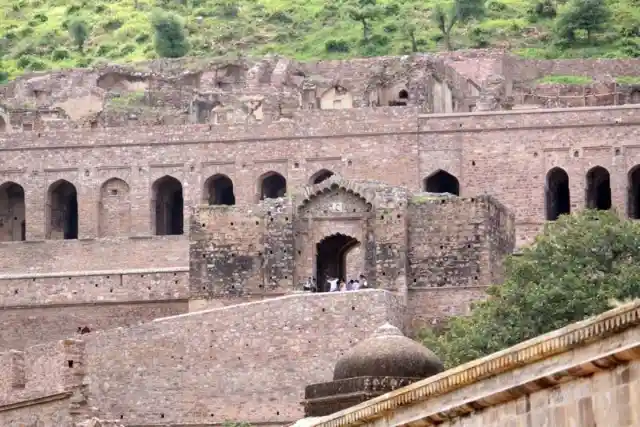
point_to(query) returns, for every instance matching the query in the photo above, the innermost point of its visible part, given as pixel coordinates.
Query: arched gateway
(337, 222)
(333, 261)
(402, 241)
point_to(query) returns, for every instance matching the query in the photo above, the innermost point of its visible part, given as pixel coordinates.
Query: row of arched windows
(597, 192)
(167, 205)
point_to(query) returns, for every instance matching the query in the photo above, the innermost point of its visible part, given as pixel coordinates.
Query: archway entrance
(331, 259)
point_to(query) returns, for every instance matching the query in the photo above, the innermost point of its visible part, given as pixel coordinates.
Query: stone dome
(387, 353)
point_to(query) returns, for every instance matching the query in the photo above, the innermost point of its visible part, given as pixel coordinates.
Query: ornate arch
(334, 183)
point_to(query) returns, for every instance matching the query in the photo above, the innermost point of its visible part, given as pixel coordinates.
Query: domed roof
(388, 353)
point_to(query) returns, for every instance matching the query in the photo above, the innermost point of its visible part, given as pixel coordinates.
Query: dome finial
(387, 330)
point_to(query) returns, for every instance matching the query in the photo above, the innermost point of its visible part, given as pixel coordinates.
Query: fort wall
(509, 155)
(505, 154)
(43, 307)
(600, 69)
(247, 362)
(522, 144)
(32, 259)
(456, 249)
(401, 241)
(25, 326)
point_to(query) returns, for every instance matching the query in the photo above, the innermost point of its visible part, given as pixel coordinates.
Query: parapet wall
(33, 258)
(525, 70)
(313, 123)
(44, 307)
(240, 362)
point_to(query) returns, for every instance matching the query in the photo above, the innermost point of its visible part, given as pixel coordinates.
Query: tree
(412, 19)
(590, 16)
(365, 11)
(447, 14)
(79, 31)
(170, 38)
(575, 269)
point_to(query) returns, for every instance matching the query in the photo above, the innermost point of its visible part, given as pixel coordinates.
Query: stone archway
(331, 258)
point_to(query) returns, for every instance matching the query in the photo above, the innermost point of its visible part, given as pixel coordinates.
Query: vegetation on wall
(44, 34)
(581, 265)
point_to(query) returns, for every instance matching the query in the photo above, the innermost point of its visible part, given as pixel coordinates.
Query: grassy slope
(34, 35)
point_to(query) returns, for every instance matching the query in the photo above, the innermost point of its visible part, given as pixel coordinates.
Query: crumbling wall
(568, 96)
(41, 370)
(455, 250)
(236, 251)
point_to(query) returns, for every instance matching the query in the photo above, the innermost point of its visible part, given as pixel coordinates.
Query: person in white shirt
(363, 282)
(355, 285)
(333, 285)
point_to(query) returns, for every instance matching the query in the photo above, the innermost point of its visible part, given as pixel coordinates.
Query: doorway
(331, 258)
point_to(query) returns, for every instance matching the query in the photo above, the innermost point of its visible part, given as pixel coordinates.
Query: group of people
(337, 285)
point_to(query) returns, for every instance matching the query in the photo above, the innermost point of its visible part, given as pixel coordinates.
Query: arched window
(115, 209)
(403, 94)
(168, 206)
(321, 175)
(442, 182)
(62, 206)
(272, 186)
(633, 193)
(12, 212)
(219, 190)
(557, 197)
(598, 189)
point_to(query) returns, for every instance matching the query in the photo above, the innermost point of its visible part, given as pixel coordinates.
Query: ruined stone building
(157, 220)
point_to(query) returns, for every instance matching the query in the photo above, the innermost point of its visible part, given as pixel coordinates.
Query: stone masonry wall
(522, 145)
(509, 154)
(46, 414)
(41, 370)
(30, 325)
(610, 398)
(240, 362)
(236, 251)
(456, 248)
(69, 257)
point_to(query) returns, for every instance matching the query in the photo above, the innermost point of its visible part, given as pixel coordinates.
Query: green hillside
(39, 34)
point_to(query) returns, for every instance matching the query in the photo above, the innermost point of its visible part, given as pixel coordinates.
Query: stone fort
(157, 220)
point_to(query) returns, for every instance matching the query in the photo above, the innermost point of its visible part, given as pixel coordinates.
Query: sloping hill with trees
(46, 34)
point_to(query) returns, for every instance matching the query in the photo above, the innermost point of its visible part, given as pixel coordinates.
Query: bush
(79, 31)
(575, 269)
(170, 40)
(336, 46)
(60, 54)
